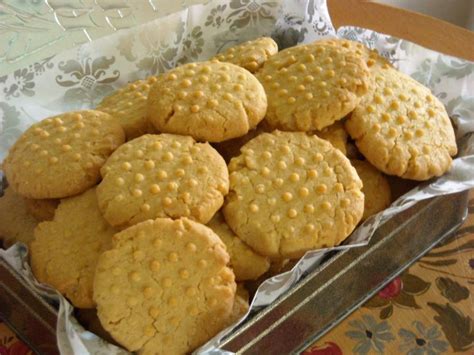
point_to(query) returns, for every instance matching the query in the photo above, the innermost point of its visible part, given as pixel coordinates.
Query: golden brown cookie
(16, 224)
(247, 264)
(61, 156)
(65, 250)
(162, 175)
(310, 87)
(210, 101)
(290, 193)
(376, 188)
(402, 128)
(128, 105)
(165, 287)
(42, 210)
(336, 135)
(251, 54)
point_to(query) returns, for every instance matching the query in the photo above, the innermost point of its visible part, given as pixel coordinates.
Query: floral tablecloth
(426, 310)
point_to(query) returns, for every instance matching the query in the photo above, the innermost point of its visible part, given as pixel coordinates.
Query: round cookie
(402, 129)
(210, 101)
(247, 264)
(165, 287)
(162, 175)
(128, 105)
(16, 224)
(336, 135)
(42, 210)
(251, 54)
(376, 188)
(65, 251)
(61, 156)
(290, 193)
(310, 87)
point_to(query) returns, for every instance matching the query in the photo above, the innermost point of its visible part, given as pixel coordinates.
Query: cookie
(402, 128)
(61, 156)
(162, 175)
(210, 101)
(42, 210)
(310, 87)
(165, 287)
(336, 135)
(376, 188)
(65, 251)
(251, 54)
(16, 224)
(247, 264)
(290, 193)
(87, 317)
(241, 304)
(128, 105)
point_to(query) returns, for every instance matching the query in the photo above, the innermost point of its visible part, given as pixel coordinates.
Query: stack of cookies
(158, 205)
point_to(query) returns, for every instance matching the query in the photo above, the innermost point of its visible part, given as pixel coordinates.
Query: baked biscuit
(336, 135)
(247, 264)
(65, 251)
(165, 287)
(402, 128)
(241, 304)
(128, 105)
(61, 156)
(290, 193)
(42, 210)
(251, 54)
(16, 224)
(162, 175)
(376, 188)
(210, 101)
(310, 87)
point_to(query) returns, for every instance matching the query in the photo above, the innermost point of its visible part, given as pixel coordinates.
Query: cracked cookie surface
(210, 101)
(402, 128)
(251, 54)
(376, 189)
(165, 287)
(290, 193)
(16, 224)
(65, 251)
(246, 264)
(61, 156)
(162, 175)
(309, 87)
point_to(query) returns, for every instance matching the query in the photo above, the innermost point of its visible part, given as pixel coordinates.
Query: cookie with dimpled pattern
(164, 287)
(61, 156)
(310, 87)
(128, 105)
(290, 193)
(210, 101)
(163, 175)
(402, 128)
(251, 54)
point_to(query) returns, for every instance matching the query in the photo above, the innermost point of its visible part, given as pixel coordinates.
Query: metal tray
(323, 298)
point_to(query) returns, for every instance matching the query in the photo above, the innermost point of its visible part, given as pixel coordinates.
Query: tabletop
(428, 309)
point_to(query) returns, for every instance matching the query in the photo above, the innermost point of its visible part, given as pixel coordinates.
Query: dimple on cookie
(16, 224)
(128, 105)
(290, 193)
(376, 188)
(210, 101)
(163, 175)
(310, 87)
(247, 264)
(165, 287)
(402, 128)
(65, 251)
(250, 55)
(61, 156)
